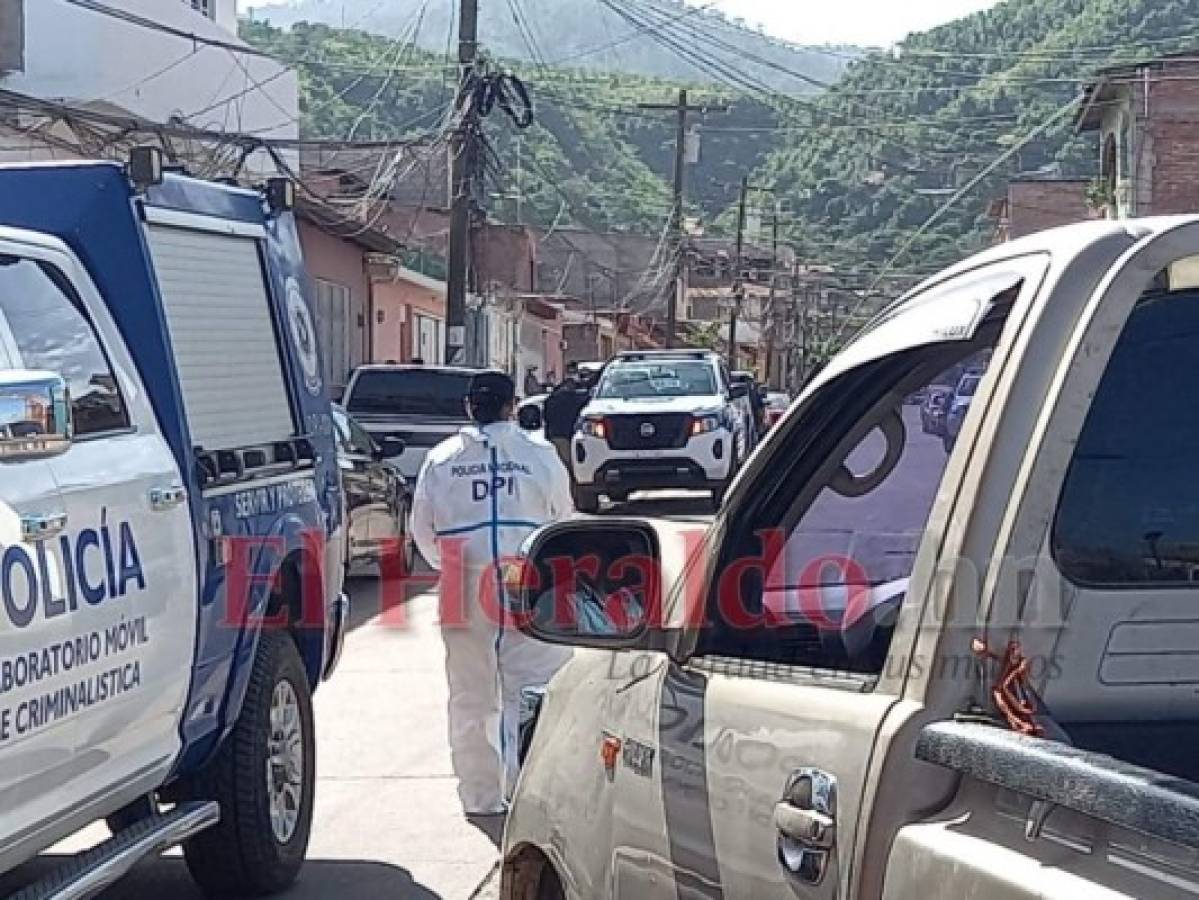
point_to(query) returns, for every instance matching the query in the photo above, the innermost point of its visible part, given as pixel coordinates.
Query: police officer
(478, 496)
(561, 411)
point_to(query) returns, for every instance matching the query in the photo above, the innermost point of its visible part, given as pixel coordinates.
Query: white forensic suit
(478, 496)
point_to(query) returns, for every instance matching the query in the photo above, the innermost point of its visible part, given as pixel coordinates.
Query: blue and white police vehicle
(170, 525)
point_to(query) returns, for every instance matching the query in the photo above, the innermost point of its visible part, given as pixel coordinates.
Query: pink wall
(334, 259)
(396, 302)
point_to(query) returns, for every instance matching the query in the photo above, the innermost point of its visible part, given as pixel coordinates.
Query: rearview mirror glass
(737, 391)
(35, 415)
(592, 583)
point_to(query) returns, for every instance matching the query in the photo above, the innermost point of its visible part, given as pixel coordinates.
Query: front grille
(666, 431)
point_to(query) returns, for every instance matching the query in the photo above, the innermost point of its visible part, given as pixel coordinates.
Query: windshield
(666, 379)
(412, 392)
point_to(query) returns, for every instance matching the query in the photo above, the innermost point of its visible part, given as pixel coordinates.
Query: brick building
(1146, 116)
(1034, 203)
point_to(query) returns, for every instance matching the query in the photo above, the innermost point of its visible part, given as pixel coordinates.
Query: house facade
(141, 62)
(345, 262)
(1146, 119)
(408, 318)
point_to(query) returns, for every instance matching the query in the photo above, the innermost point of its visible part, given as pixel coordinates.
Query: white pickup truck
(888, 671)
(170, 521)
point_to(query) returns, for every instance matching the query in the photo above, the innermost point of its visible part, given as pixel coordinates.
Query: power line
(635, 35)
(964, 190)
(755, 87)
(133, 123)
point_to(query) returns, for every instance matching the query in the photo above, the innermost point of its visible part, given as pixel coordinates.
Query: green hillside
(581, 33)
(591, 158)
(899, 131)
(857, 169)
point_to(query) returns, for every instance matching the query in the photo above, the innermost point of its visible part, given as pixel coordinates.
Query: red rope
(1010, 692)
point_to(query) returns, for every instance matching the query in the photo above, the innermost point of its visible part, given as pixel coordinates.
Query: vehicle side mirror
(530, 418)
(390, 447)
(592, 583)
(738, 391)
(35, 415)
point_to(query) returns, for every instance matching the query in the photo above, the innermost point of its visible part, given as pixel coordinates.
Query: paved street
(387, 822)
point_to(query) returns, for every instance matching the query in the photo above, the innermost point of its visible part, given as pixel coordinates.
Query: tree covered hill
(580, 33)
(899, 132)
(858, 169)
(591, 158)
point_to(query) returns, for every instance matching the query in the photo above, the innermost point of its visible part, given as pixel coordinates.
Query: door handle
(37, 527)
(805, 826)
(164, 498)
(806, 821)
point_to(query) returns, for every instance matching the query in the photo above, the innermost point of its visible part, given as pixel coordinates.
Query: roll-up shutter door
(224, 336)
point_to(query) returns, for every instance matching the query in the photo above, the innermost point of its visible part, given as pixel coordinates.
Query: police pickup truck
(891, 672)
(170, 518)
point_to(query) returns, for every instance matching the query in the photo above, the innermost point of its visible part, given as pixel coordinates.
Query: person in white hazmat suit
(478, 496)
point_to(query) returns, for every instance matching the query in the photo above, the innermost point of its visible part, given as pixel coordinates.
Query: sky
(868, 22)
(875, 23)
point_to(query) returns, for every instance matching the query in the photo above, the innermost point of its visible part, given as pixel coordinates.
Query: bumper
(704, 463)
(339, 622)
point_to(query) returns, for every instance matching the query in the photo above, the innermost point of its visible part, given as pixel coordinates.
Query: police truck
(170, 526)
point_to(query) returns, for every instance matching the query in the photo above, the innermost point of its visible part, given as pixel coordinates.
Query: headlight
(593, 427)
(705, 424)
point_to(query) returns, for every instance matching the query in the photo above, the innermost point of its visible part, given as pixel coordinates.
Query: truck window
(815, 564)
(628, 381)
(415, 392)
(838, 576)
(1129, 508)
(47, 330)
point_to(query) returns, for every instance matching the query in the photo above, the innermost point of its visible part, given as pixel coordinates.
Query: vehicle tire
(948, 442)
(587, 501)
(264, 778)
(619, 496)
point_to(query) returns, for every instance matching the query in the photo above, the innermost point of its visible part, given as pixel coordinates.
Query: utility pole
(738, 280)
(771, 312)
(793, 333)
(805, 337)
(682, 111)
(464, 159)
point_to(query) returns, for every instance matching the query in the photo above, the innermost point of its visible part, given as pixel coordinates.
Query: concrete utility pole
(464, 159)
(793, 333)
(738, 281)
(769, 374)
(682, 111)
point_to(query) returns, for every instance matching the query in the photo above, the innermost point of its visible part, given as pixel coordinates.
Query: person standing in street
(562, 409)
(532, 383)
(479, 495)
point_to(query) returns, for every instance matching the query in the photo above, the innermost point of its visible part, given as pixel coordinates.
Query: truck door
(768, 731)
(1100, 510)
(107, 654)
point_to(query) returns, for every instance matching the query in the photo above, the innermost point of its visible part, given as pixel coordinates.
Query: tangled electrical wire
(505, 90)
